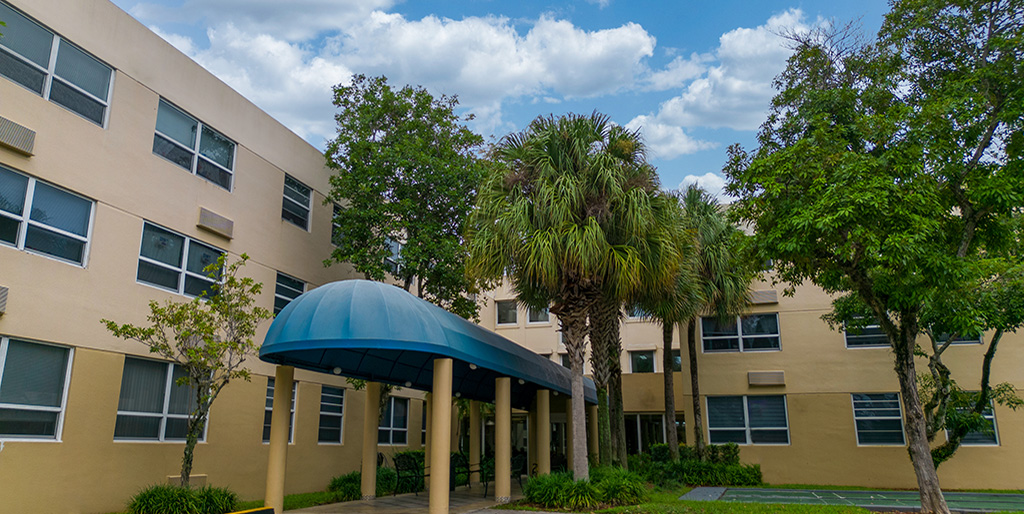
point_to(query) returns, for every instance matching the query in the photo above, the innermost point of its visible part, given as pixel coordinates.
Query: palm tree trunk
(698, 421)
(618, 417)
(603, 320)
(672, 437)
(574, 325)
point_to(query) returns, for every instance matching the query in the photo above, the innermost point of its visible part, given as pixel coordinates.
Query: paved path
(461, 501)
(897, 500)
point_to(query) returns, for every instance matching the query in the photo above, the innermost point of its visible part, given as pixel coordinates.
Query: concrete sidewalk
(875, 500)
(461, 501)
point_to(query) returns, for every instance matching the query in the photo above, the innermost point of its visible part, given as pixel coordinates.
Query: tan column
(543, 432)
(371, 422)
(440, 436)
(427, 404)
(280, 416)
(568, 433)
(531, 447)
(592, 443)
(474, 440)
(502, 439)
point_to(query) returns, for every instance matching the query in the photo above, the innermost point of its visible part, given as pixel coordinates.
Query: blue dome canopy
(379, 332)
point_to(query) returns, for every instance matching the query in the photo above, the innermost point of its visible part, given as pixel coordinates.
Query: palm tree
(550, 215)
(721, 278)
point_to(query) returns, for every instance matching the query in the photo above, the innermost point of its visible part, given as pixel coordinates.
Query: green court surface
(896, 500)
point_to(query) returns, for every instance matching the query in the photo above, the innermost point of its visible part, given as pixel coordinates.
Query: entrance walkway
(460, 501)
(874, 500)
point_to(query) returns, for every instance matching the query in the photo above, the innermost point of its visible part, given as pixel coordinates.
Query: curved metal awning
(379, 332)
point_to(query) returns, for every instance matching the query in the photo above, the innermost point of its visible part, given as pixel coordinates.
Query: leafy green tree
(406, 174)
(548, 217)
(209, 337)
(890, 174)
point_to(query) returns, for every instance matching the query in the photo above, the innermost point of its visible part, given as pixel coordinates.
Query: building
(125, 168)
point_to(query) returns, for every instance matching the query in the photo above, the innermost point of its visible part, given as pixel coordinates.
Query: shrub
(410, 484)
(387, 480)
(618, 486)
(711, 453)
(547, 490)
(693, 472)
(172, 499)
(688, 452)
(348, 487)
(729, 453)
(580, 495)
(660, 453)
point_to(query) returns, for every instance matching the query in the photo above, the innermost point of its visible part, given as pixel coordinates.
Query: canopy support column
(592, 444)
(440, 436)
(474, 440)
(280, 417)
(428, 403)
(371, 421)
(543, 432)
(502, 439)
(569, 422)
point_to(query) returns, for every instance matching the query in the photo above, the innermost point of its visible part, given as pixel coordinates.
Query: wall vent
(766, 378)
(764, 296)
(215, 223)
(16, 137)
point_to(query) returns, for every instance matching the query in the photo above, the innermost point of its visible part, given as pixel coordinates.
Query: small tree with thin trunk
(209, 337)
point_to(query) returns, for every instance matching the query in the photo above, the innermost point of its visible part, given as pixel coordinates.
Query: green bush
(712, 453)
(688, 452)
(618, 486)
(580, 495)
(547, 490)
(693, 472)
(348, 487)
(387, 480)
(411, 484)
(729, 453)
(172, 499)
(660, 453)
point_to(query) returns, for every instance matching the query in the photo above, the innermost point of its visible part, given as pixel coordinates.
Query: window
(152, 405)
(634, 312)
(395, 258)
(643, 430)
(336, 236)
(297, 202)
(268, 413)
(287, 289)
(756, 332)
(506, 312)
(175, 262)
(869, 336)
(538, 315)
(58, 222)
(563, 358)
(394, 424)
(677, 361)
(53, 68)
(748, 419)
(332, 408)
(641, 362)
(189, 143)
(988, 435)
(878, 418)
(960, 339)
(33, 386)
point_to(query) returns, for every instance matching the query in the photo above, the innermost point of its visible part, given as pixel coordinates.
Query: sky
(692, 76)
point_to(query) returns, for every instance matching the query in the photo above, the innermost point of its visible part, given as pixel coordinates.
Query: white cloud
(667, 141)
(710, 182)
(678, 72)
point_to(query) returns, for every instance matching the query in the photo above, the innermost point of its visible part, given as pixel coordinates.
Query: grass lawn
(858, 488)
(296, 501)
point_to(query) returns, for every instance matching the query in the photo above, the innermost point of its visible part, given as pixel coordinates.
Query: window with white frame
(643, 430)
(50, 66)
(286, 290)
(641, 361)
(193, 145)
(269, 411)
(506, 312)
(987, 434)
(152, 405)
(959, 339)
(563, 359)
(677, 361)
(394, 424)
(332, 410)
(394, 258)
(752, 333)
(868, 336)
(538, 315)
(297, 202)
(748, 419)
(175, 262)
(33, 389)
(42, 218)
(878, 418)
(635, 312)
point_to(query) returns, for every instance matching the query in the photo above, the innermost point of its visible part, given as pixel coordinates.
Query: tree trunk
(574, 326)
(618, 417)
(698, 421)
(604, 428)
(671, 436)
(196, 423)
(603, 320)
(916, 426)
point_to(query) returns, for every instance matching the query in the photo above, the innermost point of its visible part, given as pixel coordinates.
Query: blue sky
(693, 76)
